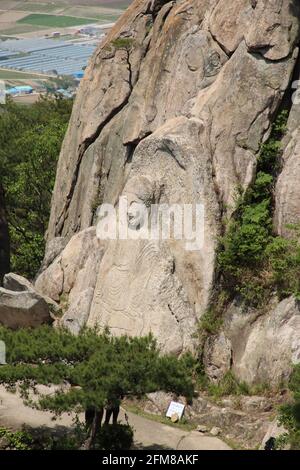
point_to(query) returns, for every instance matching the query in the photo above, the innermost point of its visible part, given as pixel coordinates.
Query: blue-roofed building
(78, 75)
(20, 90)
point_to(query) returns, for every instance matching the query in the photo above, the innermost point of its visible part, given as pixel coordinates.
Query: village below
(45, 47)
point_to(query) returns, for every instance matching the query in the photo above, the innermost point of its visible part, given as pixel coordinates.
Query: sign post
(175, 408)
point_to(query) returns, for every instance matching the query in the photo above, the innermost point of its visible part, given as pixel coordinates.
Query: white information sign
(175, 408)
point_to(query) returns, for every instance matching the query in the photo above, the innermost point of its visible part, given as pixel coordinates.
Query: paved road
(153, 435)
(148, 434)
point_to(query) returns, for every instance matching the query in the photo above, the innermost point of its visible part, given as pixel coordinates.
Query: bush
(210, 322)
(18, 440)
(252, 260)
(289, 415)
(114, 437)
(228, 385)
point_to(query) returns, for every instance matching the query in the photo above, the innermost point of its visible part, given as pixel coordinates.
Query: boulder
(16, 283)
(202, 428)
(159, 401)
(23, 309)
(215, 431)
(256, 403)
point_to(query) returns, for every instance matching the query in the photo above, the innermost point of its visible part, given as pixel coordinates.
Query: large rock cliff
(173, 108)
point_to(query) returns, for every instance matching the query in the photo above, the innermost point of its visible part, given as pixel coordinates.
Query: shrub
(228, 385)
(18, 440)
(123, 43)
(289, 415)
(210, 322)
(252, 260)
(114, 437)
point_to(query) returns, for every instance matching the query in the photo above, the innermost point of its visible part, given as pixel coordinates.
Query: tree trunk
(4, 239)
(93, 420)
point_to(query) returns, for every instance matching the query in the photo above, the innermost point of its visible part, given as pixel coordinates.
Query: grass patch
(183, 424)
(22, 29)
(230, 386)
(13, 75)
(107, 18)
(234, 445)
(123, 43)
(54, 21)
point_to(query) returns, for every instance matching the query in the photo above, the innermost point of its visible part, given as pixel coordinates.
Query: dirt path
(148, 434)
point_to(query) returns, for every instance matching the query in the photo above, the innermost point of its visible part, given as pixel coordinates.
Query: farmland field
(39, 7)
(20, 29)
(53, 21)
(23, 18)
(13, 75)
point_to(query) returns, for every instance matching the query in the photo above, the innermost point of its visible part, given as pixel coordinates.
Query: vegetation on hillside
(31, 138)
(290, 414)
(253, 261)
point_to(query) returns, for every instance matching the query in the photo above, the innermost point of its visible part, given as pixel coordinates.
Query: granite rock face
(287, 192)
(217, 356)
(173, 109)
(264, 346)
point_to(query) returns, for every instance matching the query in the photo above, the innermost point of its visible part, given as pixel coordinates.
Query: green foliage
(19, 440)
(284, 263)
(104, 368)
(61, 82)
(290, 413)
(253, 261)
(100, 369)
(210, 322)
(30, 141)
(149, 27)
(123, 43)
(114, 437)
(228, 385)
(110, 437)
